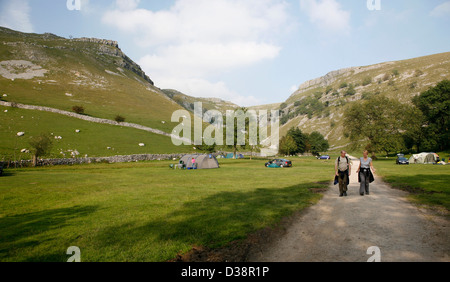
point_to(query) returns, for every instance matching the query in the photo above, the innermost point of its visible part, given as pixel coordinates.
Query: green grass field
(146, 211)
(427, 184)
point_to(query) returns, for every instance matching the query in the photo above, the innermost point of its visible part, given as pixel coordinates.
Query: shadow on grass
(7, 173)
(214, 220)
(428, 189)
(24, 231)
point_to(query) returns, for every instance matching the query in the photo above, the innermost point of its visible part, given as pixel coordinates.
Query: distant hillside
(319, 104)
(187, 101)
(51, 71)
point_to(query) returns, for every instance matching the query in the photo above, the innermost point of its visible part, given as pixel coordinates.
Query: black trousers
(364, 176)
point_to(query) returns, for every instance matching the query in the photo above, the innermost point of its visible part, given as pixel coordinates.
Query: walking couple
(343, 170)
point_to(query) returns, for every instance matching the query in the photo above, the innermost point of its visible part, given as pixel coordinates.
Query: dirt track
(342, 229)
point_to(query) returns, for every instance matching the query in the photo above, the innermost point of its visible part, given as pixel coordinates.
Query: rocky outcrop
(111, 48)
(332, 76)
(98, 41)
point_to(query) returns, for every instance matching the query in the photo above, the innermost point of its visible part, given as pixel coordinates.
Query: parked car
(1, 170)
(402, 161)
(279, 163)
(324, 157)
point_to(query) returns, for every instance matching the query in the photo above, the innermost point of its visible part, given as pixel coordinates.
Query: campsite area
(148, 212)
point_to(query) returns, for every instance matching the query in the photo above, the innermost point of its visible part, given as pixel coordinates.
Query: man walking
(343, 169)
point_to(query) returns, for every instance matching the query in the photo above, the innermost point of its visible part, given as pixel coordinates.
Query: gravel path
(342, 229)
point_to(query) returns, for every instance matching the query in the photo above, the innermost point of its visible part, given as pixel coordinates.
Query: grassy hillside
(97, 76)
(326, 98)
(92, 140)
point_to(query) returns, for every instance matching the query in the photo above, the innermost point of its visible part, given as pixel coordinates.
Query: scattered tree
(318, 143)
(287, 145)
(435, 107)
(378, 119)
(41, 145)
(299, 138)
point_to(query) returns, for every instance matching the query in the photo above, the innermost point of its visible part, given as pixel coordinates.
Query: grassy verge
(428, 184)
(146, 211)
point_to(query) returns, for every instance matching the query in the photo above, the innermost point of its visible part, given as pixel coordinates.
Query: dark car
(279, 163)
(402, 160)
(324, 157)
(1, 170)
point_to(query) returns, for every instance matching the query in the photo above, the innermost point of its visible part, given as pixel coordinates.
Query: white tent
(423, 158)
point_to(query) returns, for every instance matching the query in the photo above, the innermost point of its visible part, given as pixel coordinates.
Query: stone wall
(113, 159)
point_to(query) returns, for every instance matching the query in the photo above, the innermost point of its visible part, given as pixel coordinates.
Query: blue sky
(250, 52)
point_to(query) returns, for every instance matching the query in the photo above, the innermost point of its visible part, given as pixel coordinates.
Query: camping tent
(231, 156)
(201, 161)
(424, 158)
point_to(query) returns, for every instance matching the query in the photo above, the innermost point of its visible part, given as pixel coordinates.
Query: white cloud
(15, 14)
(442, 10)
(200, 59)
(196, 38)
(127, 5)
(327, 15)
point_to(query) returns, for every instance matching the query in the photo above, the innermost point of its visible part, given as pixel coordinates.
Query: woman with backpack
(365, 173)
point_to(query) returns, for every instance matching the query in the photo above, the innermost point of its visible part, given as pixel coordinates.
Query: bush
(119, 118)
(366, 95)
(367, 81)
(328, 90)
(78, 109)
(284, 119)
(418, 73)
(297, 103)
(395, 72)
(343, 85)
(350, 91)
